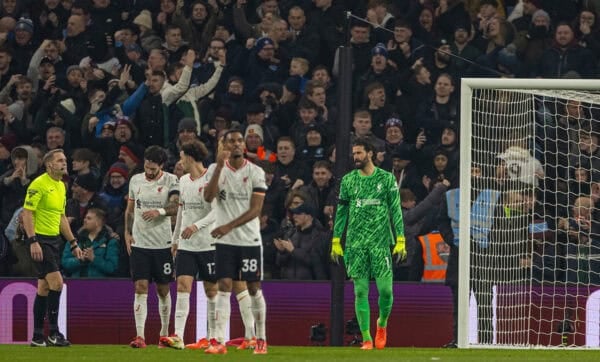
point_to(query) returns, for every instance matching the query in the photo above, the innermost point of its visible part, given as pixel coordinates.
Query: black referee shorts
(51, 250)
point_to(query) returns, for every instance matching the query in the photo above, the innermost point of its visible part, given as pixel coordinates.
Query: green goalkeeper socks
(386, 299)
(361, 306)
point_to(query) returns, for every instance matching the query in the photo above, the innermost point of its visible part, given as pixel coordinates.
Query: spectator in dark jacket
(85, 196)
(100, 249)
(14, 182)
(566, 55)
(302, 257)
(319, 189)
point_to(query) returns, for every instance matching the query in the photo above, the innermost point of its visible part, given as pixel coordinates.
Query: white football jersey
(235, 190)
(194, 210)
(151, 195)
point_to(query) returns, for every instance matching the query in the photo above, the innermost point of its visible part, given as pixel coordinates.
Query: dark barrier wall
(100, 312)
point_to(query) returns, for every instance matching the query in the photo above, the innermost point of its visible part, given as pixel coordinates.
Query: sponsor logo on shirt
(367, 202)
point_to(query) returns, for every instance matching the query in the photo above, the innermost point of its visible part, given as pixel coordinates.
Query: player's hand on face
(189, 231)
(128, 242)
(220, 231)
(36, 252)
(150, 215)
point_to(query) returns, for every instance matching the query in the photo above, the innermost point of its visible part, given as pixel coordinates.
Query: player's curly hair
(365, 143)
(155, 154)
(196, 149)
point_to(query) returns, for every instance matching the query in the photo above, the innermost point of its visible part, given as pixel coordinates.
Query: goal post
(528, 275)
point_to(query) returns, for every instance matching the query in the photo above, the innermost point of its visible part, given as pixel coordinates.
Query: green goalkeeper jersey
(370, 206)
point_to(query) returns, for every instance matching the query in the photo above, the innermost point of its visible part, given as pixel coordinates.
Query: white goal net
(530, 159)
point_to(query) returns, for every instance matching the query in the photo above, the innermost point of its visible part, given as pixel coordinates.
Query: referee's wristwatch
(73, 244)
(30, 240)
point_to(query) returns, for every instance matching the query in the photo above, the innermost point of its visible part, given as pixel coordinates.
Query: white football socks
(164, 310)
(259, 310)
(245, 304)
(211, 306)
(182, 309)
(140, 311)
(222, 314)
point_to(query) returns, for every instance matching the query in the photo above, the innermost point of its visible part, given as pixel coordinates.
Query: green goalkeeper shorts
(367, 263)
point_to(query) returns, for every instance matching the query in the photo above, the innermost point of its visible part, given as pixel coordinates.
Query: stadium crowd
(105, 80)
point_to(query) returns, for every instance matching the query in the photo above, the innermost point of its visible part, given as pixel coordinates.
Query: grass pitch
(115, 353)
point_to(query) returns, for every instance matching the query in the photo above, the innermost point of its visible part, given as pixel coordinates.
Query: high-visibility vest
(435, 257)
(482, 212)
(266, 155)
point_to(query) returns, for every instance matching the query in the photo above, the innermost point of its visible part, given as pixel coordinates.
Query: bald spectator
(302, 37)
(76, 41)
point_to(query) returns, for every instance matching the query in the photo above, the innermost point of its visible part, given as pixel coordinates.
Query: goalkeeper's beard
(360, 164)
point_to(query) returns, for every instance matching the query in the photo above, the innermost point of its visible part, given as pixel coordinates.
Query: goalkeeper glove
(336, 250)
(399, 252)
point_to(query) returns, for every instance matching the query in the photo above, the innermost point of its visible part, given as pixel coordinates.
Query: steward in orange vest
(435, 257)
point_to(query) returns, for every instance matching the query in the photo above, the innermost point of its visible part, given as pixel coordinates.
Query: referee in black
(44, 221)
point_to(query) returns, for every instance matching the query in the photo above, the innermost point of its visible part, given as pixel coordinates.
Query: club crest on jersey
(378, 187)
(159, 189)
(245, 179)
(200, 189)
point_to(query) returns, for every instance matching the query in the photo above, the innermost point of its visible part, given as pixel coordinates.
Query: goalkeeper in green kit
(369, 205)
